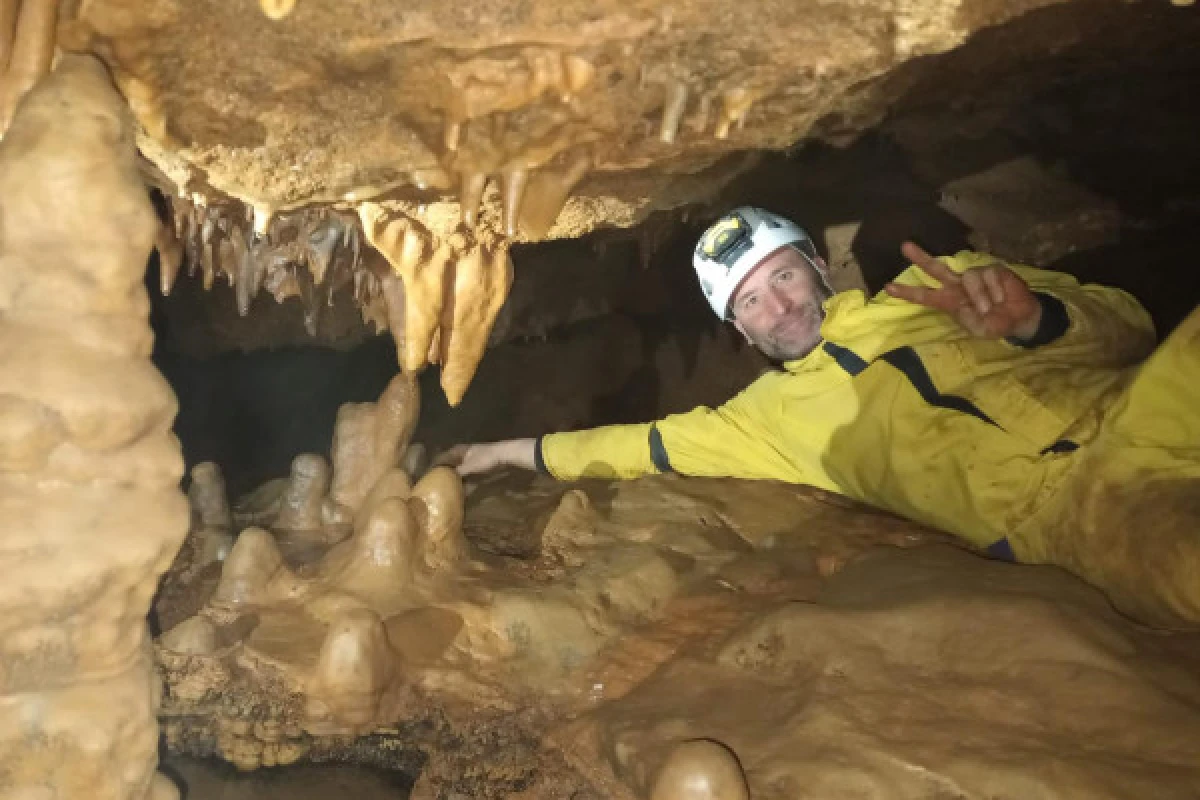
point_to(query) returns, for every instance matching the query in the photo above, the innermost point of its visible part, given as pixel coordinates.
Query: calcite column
(90, 510)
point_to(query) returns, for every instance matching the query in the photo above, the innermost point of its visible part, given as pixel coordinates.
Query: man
(1004, 404)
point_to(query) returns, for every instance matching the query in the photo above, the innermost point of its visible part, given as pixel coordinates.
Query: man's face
(778, 307)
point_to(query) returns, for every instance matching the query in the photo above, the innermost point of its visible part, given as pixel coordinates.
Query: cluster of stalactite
(439, 295)
(309, 254)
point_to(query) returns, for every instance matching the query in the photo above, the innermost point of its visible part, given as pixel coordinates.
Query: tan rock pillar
(90, 510)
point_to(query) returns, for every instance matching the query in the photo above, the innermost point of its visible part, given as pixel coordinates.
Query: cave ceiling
(392, 152)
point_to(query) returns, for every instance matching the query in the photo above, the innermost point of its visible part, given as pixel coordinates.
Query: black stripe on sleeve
(539, 463)
(658, 453)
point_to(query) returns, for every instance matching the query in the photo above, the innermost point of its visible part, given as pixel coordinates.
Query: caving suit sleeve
(727, 441)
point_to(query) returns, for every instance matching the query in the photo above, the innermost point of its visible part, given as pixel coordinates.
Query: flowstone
(670, 639)
(89, 498)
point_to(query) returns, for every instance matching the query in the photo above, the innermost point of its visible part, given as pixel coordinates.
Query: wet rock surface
(89, 470)
(659, 638)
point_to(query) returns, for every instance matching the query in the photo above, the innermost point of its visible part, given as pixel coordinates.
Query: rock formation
(394, 155)
(668, 639)
(89, 469)
(664, 639)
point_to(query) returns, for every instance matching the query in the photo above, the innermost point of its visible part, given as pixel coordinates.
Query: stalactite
(482, 279)
(31, 54)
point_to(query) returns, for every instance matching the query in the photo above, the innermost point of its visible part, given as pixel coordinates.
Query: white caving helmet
(737, 243)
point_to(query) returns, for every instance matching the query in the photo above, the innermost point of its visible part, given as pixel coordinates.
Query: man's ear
(742, 331)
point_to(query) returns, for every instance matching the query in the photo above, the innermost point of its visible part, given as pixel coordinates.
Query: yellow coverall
(1069, 450)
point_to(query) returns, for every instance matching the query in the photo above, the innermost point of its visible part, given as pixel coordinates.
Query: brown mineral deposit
(84, 545)
(370, 438)
(701, 770)
(305, 495)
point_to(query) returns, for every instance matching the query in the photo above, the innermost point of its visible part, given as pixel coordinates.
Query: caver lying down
(1026, 413)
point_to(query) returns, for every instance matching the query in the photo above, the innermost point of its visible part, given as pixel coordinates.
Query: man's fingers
(452, 457)
(932, 267)
(993, 279)
(977, 291)
(922, 295)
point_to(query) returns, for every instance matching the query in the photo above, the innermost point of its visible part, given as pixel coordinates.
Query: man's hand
(991, 302)
(472, 459)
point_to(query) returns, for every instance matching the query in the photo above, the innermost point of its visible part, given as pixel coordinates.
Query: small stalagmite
(208, 497)
(440, 502)
(369, 439)
(304, 496)
(251, 567)
(354, 667)
(381, 557)
(701, 769)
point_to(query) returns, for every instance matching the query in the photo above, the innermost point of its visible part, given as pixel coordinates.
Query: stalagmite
(305, 493)
(250, 569)
(354, 667)
(677, 95)
(83, 548)
(369, 439)
(441, 502)
(381, 556)
(481, 283)
(701, 769)
(207, 496)
(31, 55)
(415, 460)
(393, 483)
(195, 635)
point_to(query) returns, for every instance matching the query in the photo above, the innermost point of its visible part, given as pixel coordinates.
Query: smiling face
(779, 306)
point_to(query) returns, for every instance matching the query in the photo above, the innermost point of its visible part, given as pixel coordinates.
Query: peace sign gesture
(991, 302)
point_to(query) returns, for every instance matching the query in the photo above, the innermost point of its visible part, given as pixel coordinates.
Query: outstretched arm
(473, 459)
(725, 441)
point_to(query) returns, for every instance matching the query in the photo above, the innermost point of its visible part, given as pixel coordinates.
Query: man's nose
(778, 302)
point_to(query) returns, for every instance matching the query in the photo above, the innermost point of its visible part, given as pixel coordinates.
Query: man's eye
(749, 302)
(786, 275)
